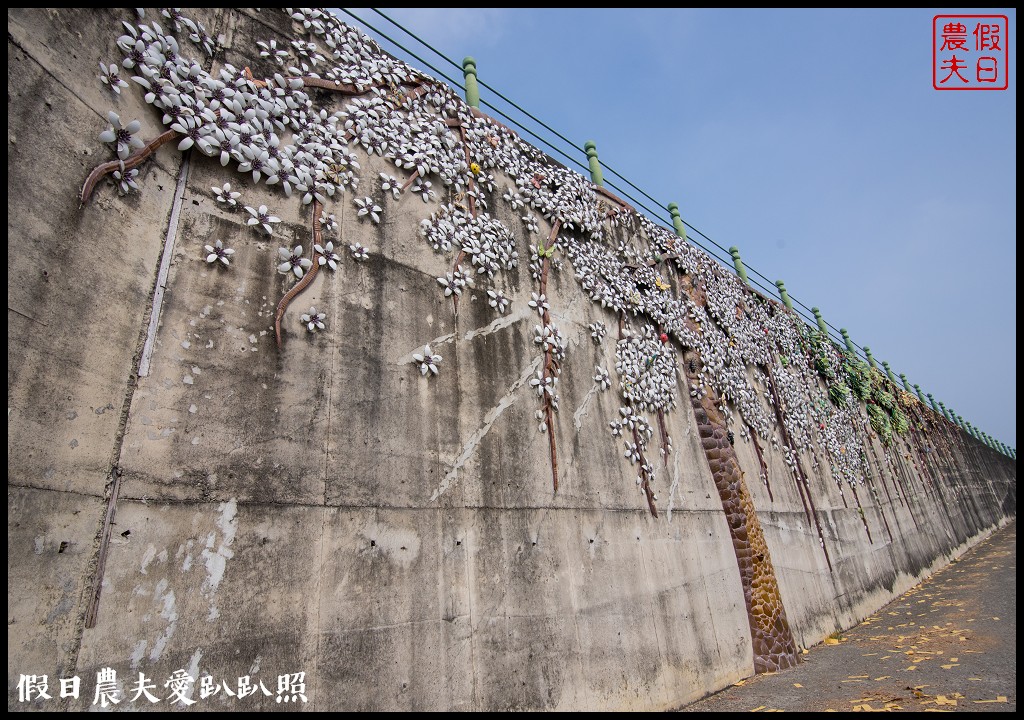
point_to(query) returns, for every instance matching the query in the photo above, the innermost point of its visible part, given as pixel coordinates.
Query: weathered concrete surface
(325, 509)
(78, 288)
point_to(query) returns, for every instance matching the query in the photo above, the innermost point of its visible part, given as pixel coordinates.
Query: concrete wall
(322, 507)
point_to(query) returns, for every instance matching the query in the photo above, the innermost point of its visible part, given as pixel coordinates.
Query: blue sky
(813, 141)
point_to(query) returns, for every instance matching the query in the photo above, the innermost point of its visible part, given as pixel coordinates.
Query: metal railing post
(472, 88)
(595, 165)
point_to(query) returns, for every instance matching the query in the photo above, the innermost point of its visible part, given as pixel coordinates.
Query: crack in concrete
(499, 324)
(675, 482)
(582, 410)
(577, 417)
(489, 419)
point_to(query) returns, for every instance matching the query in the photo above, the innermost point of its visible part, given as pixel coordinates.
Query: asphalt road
(948, 644)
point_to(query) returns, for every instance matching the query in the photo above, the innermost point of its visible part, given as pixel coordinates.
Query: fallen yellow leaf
(759, 707)
(954, 659)
(943, 700)
(831, 641)
(912, 667)
(884, 677)
(797, 685)
(999, 699)
(950, 667)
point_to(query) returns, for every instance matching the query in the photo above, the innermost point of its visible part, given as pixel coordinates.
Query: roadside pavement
(948, 644)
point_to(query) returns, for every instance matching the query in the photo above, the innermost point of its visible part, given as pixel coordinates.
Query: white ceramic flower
(226, 196)
(428, 360)
(313, 320)
(263, 218)
(292, 261)
(122, 136)
(217, 252)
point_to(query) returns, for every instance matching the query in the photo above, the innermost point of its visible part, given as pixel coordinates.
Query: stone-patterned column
(772, 639)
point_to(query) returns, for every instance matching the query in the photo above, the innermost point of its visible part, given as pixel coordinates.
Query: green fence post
(906, 383)
(677, 222)
(738, 264)
(888, 372)
(871, 359)
(595, 166)
(934, 405)
(945, 412)
(784, 295)
(849, 343)
(917, 389)
(472, 89)
(821, 321)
